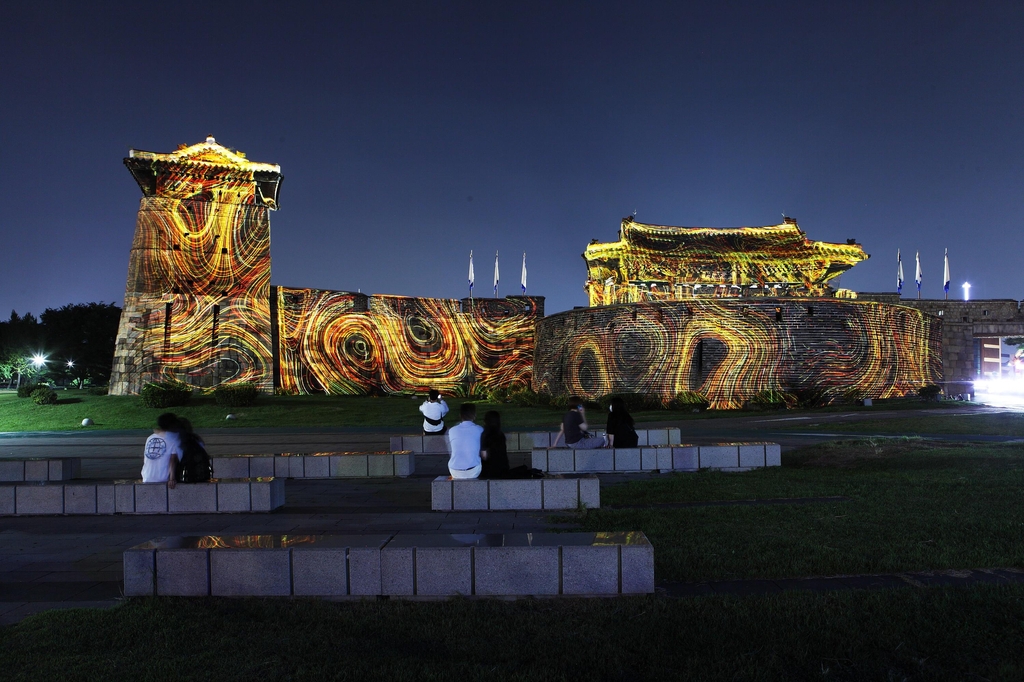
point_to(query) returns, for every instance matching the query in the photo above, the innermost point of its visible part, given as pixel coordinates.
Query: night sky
(410, 134)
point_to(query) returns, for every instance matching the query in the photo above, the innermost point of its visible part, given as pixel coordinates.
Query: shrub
(236, 395)
(689, 400)
(166, 394)
(773, 399)
(810, 397)
(99, 390)
(929, 392)
(43, 395)
(25, 390)
(634, 401)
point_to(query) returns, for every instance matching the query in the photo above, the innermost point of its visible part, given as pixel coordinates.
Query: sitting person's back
(493, 448)
(195, 465)
(621, 433)
(162, 452)
(434, 409)
(464, 445)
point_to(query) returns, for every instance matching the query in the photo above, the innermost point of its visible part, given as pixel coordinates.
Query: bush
(43, 395)
(689, 400)
(773, 399)
(25, 390)
(99, 390)
(166, 394)
(236, 395)
(634, 401)
(810, 397)
(929, 392)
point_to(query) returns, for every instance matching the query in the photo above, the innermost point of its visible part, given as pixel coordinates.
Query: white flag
(945, 285)
(899, 273)
(495, 274)
(918, 276)
(522, 281)
(472, 277)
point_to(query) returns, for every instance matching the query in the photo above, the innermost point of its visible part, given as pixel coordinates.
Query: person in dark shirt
(574, 428)
(621, 433)
(492, 447)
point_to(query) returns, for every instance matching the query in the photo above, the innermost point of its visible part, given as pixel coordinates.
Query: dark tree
(83, 334)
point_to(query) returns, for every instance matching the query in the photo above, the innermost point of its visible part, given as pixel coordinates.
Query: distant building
(664, 263)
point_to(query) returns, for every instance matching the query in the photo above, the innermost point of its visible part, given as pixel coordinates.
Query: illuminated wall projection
(347, 343)
(729, 350)
(197, 300)
(659, 263)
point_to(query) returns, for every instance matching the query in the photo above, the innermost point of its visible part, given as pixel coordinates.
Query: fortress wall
(344, 343)
(729, 350)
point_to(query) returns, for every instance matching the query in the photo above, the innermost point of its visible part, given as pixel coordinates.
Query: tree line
(70, 345)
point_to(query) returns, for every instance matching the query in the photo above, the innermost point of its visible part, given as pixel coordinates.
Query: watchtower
(197, 299)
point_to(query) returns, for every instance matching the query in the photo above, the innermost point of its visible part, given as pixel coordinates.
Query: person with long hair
(195, 465)
(493, 450)
(621, 433)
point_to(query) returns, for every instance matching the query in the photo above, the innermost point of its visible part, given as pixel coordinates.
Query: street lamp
(71, 363)
(38, 360)
(967, 291)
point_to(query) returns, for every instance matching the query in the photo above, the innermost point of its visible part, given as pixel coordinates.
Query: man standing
(163, 450)
(434, 410)
(574, 428)
(464, 444)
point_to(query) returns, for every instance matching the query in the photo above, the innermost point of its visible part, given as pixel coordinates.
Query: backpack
(195, 465)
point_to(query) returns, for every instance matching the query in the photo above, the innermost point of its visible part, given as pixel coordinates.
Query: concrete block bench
(551, 492)
(510, 564)
(41, 469)
(134, 497)
(723, 456)
(317, 465)
(525, 442)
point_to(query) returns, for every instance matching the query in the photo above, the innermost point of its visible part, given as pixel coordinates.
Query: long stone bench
(134, 497)
(551, 492)
(316, 465)
(525, 442)
(723, 456)
(510, 564)
(40, 469)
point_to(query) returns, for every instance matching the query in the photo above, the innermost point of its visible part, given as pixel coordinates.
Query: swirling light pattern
(197, 300)
(730, 350)
(345, 343)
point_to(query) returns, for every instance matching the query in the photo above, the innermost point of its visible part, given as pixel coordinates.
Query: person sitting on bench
(434, 409)
(574, 428)
(464, 444)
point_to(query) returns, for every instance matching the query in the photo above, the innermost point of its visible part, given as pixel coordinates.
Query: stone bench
(510, 564)
(551, 492)
(41, 469)
(723, 456)
(525, 442)
(316, 465)
(133, 497)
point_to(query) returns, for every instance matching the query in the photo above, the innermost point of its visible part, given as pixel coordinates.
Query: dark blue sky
(409, 135)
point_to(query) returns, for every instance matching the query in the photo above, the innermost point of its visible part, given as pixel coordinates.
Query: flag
(472, 277)
(495, 274)
(899, 272)
(522, 280)
(945, 285)
(918, 277)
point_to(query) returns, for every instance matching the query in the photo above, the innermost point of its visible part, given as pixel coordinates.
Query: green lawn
(999, 424)
(908, 634)
(393, 412)
(913, 506)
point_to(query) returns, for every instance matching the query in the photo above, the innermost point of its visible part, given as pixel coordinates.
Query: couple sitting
(619, 428)
(479, 452)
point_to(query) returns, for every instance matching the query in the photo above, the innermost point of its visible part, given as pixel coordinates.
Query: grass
(933, 634)
(998, 424)
(913, 506)
(385, 413)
